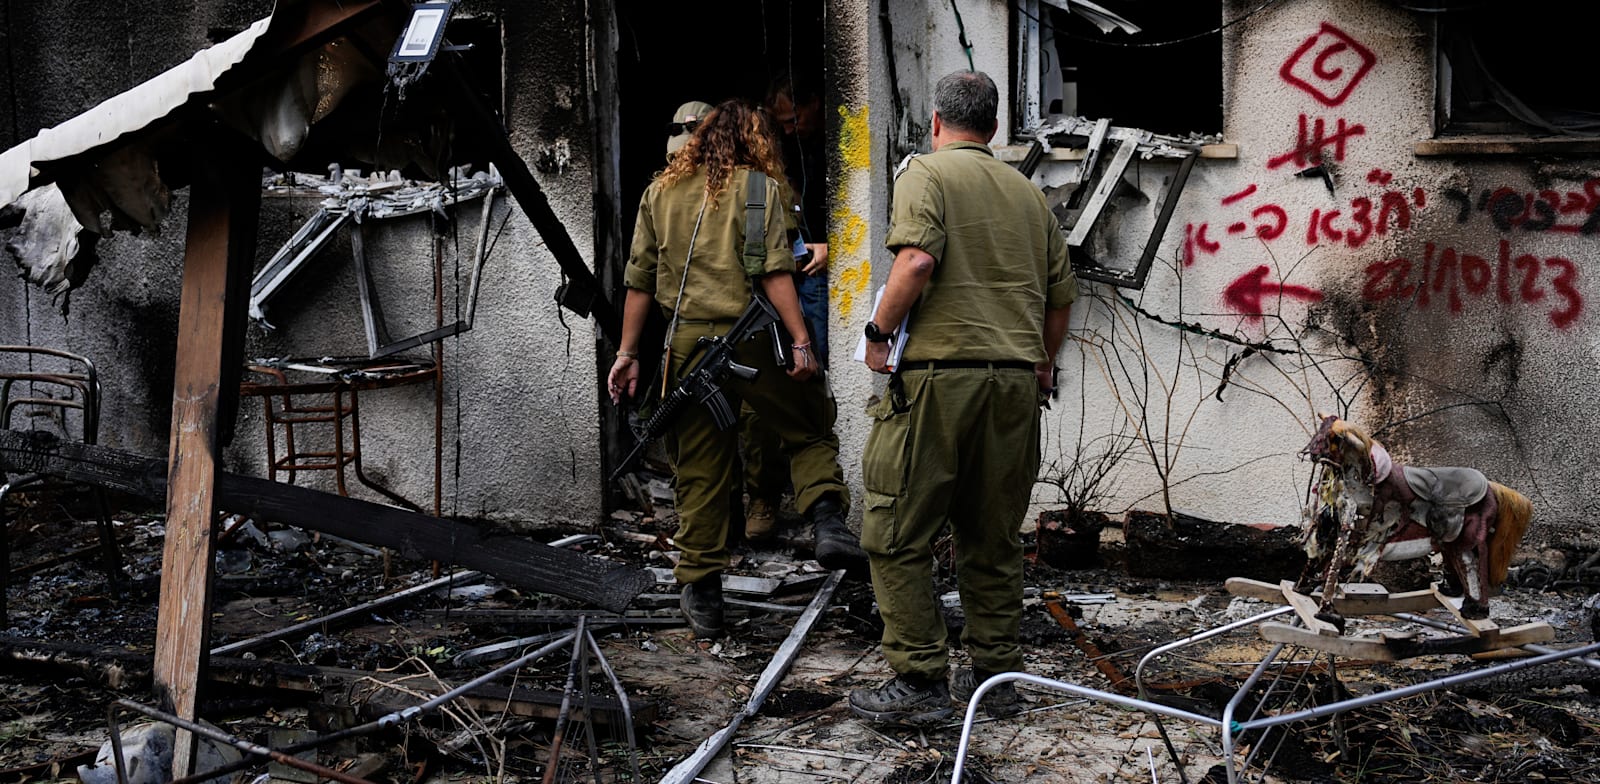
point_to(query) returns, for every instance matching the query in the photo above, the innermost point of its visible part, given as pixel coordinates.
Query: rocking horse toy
(1364, 503)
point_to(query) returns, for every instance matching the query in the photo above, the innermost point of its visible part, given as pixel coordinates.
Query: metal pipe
(389, 720)
(1228, 724)
(622, 700)
(463, 578)
(687, 770)
(1420, 688)
(566, 703)
(1138, 672)
(1070, 688)
(241, 744)
(116, 744)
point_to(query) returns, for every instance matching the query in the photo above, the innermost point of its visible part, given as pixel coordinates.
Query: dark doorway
(669, 53)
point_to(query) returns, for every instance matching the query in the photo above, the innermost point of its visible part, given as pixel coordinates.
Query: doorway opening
(711, 51)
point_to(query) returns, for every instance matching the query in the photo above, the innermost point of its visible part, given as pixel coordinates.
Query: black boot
(701, 603)
(836, 545)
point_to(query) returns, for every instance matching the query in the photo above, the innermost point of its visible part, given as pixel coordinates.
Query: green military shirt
(1001, 257)
(717, 287)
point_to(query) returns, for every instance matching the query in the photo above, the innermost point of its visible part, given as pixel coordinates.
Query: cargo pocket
(883, 462)
(878, 529)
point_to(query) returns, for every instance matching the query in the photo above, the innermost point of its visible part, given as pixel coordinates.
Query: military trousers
(705, 459)
(956, 447)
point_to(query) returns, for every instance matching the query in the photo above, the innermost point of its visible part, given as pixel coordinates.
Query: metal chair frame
(80, 384)
(1260, 723)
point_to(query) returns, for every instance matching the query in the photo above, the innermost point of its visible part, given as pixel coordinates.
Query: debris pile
(313, 637)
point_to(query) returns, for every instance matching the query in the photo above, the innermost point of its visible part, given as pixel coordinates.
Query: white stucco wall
(1500, 384)
(1497, 381)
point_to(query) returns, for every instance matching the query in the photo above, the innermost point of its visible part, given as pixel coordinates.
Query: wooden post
(223, 202)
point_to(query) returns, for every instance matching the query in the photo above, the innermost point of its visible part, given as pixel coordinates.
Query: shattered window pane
(1151, 79)
(1497, 69)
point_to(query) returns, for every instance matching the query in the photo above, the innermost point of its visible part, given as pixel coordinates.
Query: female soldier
(686, 259)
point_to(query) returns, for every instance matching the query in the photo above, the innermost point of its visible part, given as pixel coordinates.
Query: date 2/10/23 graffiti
(1456, 278)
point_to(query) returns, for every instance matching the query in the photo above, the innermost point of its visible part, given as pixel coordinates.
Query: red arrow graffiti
(1245, 293)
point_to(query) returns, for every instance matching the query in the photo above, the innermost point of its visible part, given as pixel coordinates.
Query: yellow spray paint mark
(847, 246)
(856, 273)
(855, 139)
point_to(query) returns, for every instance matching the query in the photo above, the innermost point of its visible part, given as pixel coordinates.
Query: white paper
(897, 346)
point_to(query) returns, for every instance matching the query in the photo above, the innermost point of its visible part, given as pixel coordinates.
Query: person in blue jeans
(797, 106)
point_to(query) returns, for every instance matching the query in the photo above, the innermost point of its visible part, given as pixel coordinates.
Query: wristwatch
(876, 336)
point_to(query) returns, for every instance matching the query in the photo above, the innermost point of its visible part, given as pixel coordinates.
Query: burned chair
(50, 386)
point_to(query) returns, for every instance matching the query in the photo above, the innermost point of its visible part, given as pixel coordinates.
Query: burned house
(1377, 208)
(1402, 172)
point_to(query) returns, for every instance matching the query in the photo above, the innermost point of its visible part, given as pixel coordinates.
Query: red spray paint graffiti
(1393, 211)
(1307, 149)
(1194, 238)
(1244, 294)
(1451, 276)
(1328, 65)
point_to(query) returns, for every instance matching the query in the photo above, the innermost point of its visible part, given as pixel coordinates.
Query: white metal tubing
(1070, 688)
(1228, 723)
(1419, 688)
(1138, 672)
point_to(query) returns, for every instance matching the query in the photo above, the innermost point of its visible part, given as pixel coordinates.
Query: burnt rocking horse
(1365, 506)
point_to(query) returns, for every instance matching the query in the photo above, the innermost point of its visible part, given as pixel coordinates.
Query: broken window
(1498, 70)
(1155, 66)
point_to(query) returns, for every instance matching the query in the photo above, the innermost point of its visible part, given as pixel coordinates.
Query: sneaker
(759, 519)
(905, 699)
(1001, 701)
(701, 603)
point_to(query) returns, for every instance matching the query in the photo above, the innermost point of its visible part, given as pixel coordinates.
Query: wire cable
(961, 29)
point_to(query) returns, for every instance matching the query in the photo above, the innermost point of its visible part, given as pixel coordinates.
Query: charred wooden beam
(518, 560)
(582, 292)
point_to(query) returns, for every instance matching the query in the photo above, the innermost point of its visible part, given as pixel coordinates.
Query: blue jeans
(813, 290)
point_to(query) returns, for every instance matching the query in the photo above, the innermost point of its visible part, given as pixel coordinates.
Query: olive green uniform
(715, 293)
(956, 438)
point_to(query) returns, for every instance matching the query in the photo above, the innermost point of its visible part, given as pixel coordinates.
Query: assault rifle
(712, 362)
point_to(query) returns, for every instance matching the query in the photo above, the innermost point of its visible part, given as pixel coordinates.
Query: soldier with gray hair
(981, 268)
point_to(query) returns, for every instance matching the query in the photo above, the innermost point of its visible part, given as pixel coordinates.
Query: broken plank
(1354, 647)
(1307, 610)
(1478, 627)
(1362, 604)
(582, 293)
(1395, 649)
(518, 560)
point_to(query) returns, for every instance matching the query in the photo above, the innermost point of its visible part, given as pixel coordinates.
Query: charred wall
(520, 392)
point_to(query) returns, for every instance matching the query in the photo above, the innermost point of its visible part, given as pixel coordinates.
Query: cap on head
(682, 125)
